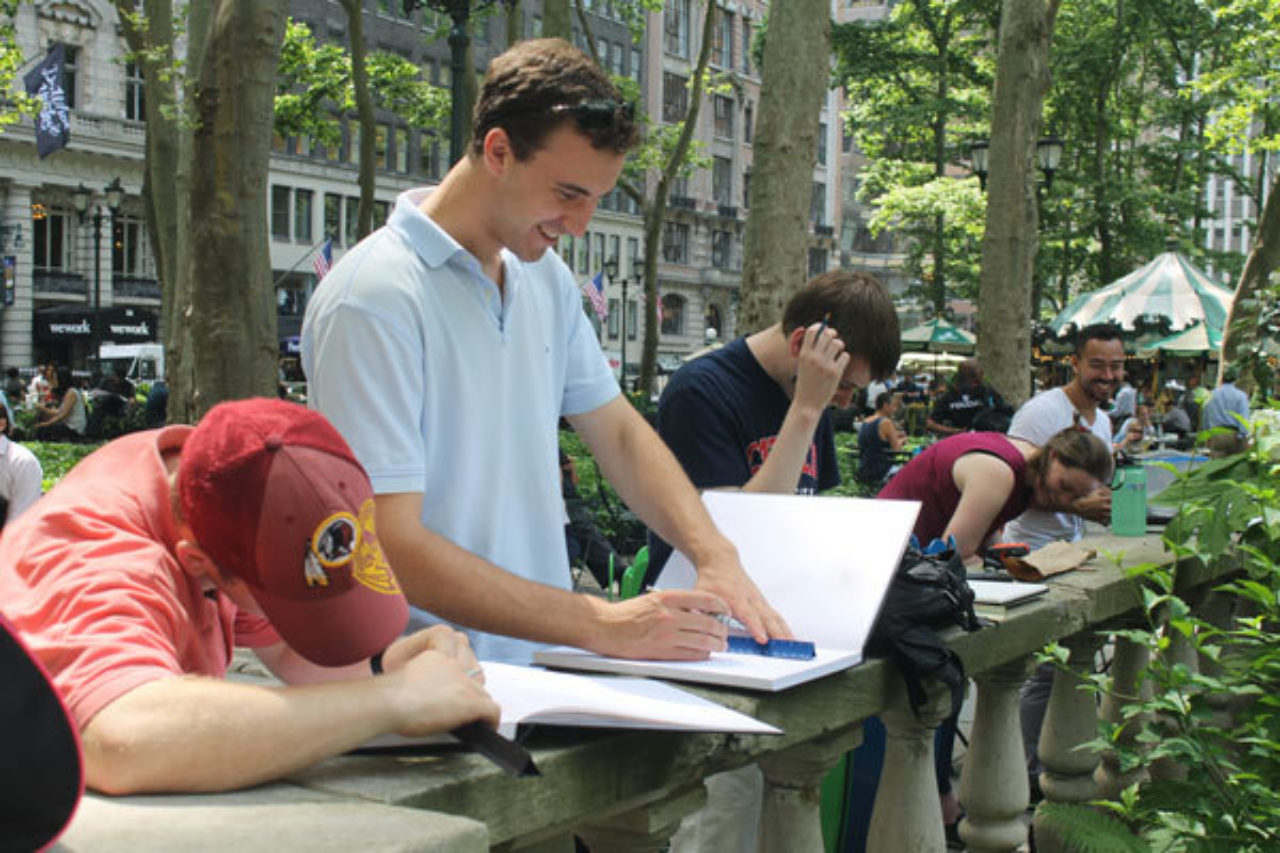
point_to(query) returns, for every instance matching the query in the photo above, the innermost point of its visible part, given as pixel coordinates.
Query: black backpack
(928, 592)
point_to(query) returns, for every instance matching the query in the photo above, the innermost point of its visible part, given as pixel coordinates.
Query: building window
(822, 143)
(615, 247)
(566, 250)
(723, 117)
(713, 318)
(722, 39)
(616, 63)
(633, 319)
(748, 122)
(402, 149)
(598, 260)
(722, 181)
(634, 71)
(302, 215)
(846, 139)
(746, 190)
(675, 243)
(381, 132)
(51, 246)
(633, 252)
(130, 250)
(71, 57)
(614, 316)
(280, 197)
(817, 262)
(353, 143)
(381, 212)
(721, 243)
(675, 97)
(675, 28)
(818, 204)
(673, 314)
(351, 220)
(584, 250)
(746, 46)
(333, 216)
(135, 98)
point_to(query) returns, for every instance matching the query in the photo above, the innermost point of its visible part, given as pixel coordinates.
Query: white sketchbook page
(754, 672)
(532, 695)
(1005, 592)
(824, 563)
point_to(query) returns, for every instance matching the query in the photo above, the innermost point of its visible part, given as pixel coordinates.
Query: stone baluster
(1181, 651)
(993, 786)
(1070, 720)
(789, 819)
(1126, 672)
(907, 814)
(648, 828)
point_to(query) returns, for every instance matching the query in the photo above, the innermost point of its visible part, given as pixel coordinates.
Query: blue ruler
(797, 649)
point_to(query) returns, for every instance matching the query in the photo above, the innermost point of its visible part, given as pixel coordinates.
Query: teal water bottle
(1129, 502)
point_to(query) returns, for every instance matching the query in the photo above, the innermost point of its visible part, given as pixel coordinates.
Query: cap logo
(333, 545)
(372, 569)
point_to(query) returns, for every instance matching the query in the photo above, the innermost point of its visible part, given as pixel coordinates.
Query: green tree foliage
(314, 89)
(11, 59)
(919, 89)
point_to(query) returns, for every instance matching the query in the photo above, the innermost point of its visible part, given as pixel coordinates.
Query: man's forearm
(781, 470)
(202, 734)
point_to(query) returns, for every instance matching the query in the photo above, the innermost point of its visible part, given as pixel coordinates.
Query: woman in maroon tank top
(970, 484)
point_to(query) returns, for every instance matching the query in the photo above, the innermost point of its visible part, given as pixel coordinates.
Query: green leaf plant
(1208, 733)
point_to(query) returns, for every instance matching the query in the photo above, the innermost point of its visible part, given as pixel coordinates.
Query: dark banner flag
(53, 125)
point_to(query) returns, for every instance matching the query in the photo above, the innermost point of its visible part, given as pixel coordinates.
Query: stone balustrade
(628, 790)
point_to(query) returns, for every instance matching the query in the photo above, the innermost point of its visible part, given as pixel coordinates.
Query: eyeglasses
(598, 114)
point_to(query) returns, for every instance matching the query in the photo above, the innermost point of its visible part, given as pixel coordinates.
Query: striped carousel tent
(1196, 340)
(1168, 287)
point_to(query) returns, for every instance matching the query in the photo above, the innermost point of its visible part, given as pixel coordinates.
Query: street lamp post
(114, 195)
(611, 270)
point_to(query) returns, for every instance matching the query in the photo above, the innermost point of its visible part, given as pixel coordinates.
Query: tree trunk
(1241, 337)
(655, 212)
(364, 114)
(232, 307)
(515, 23)
(1009, 244)
(797, 53)
(555, 19)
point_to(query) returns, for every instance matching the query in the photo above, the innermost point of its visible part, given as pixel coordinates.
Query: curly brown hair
(541, 84)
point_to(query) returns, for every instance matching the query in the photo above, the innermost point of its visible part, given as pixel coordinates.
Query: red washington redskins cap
(275, 498)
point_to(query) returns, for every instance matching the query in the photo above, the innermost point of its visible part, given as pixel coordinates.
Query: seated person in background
(1228, 408)
(1137, 431)
(955, 410)
(66, 419)
(20, 474)
(14, 390)
(879, 438)
(155, 409)
(132, 579)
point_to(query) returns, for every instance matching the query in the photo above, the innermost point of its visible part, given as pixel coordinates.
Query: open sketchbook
(532, 695)
(824, 563)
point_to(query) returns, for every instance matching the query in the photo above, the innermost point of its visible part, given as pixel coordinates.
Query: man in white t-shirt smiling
(1099, 368)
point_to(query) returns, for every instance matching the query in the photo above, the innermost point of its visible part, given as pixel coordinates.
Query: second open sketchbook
(532, 695)
(823, 563)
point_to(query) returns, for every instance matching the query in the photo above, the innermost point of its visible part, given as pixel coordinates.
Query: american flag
(324, 260)
(594, 290)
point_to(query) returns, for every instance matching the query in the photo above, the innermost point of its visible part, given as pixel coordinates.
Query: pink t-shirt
(89, 577)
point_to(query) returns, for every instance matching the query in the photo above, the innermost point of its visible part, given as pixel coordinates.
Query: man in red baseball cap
(134, 578)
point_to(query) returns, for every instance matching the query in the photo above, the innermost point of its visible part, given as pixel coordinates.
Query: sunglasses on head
(598, 114)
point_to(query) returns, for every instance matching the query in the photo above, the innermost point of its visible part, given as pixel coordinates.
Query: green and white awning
(937, 335)
(1197, 340)
(1169, 287)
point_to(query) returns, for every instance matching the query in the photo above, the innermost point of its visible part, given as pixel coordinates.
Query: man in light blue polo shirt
(1228, 408)
(446, 346)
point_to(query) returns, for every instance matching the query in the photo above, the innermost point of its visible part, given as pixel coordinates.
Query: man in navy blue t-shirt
(754, 414)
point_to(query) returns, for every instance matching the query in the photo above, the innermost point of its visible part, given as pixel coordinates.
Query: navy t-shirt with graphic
(720, 415)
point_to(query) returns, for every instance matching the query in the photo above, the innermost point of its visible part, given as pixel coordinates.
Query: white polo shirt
(443, 386)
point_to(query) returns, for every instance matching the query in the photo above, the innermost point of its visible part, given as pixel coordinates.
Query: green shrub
(1229, 518)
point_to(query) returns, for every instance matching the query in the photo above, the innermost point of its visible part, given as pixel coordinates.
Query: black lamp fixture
(1048, 158)
(113, 194)
(459, 11)
(611, 270)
